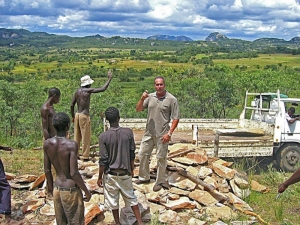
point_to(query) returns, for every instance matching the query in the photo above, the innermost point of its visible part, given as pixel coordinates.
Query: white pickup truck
(261, 130)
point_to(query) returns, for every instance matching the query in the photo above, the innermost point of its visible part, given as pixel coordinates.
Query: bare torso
(82, 97)
(59, 151)
(47, 113)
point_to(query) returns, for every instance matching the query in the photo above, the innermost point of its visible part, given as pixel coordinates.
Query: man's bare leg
(115, 213)
(137, 214)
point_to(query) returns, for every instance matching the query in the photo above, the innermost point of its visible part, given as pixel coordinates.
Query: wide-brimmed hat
(86, 80)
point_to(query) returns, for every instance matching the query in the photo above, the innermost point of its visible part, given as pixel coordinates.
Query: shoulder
(49, 142)
(126, 129)
(103, 134)
(71, 145)
(44, 107)
(169, 95)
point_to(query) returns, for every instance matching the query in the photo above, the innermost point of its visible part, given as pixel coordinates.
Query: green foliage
(204, 86)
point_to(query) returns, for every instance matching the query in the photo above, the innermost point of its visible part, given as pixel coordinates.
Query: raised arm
(104, 87)
(139, 106)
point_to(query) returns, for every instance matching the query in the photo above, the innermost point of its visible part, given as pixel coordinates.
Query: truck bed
(204, 137)
(232, 144)
(219, 137)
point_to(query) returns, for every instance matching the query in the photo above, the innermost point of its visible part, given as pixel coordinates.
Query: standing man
(162, 107)
(47, 112)
(81, 120)
(5, 191)
(116, 165)
(62, 152)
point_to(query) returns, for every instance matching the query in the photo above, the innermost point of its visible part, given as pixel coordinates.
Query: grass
(262, 61)
(23, 162)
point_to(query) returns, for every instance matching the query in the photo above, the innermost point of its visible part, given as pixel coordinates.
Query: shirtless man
(81, 120)
(47, 112)
(62, 152)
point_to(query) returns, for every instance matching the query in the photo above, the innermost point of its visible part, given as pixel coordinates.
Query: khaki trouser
(68, 206)
(147, 145)
(82, 131)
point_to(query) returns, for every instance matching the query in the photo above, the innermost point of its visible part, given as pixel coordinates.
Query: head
(112, 114)
(291, 111)
(86, 81)
(159, 84)
(55, 94)
(61, 121)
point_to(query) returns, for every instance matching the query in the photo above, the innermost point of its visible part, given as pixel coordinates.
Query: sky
(241, 19)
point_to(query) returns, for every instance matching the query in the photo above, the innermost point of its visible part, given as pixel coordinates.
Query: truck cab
(272, 109)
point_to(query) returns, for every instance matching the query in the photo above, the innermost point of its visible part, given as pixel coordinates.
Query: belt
(117, 174)
(67, 189)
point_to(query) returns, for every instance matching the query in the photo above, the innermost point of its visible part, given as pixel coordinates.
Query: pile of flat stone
(203, 190)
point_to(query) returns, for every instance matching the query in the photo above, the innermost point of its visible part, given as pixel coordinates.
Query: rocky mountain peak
(216, 36)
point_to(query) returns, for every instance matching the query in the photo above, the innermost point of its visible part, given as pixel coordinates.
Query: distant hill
(270, 40)
(95, 36)
(216, 36)
(22, 37)
(169, 38)
(295, 40)
(18, 33)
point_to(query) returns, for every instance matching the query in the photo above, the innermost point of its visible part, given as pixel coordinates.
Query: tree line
(215, 92)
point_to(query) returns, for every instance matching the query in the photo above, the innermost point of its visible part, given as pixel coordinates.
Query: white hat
(86, 80)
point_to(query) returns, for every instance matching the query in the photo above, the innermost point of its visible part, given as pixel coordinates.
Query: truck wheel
(288, 158)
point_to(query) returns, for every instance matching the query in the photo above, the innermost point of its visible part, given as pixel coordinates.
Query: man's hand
(145, 95)
(281, 188)
(166, 138)
(109, 74)
(88, 196)
(99, 182)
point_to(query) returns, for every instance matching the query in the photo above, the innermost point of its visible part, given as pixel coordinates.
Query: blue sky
(243, 19)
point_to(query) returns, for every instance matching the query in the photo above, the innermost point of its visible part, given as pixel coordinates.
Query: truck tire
(288, 158)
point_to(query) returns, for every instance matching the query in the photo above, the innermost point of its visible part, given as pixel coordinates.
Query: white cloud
(270, 3)
(192, 18)
(2, 3)
(203, 20)
(162, 12)
(71, 16)
(34, 4)
(237, 5)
